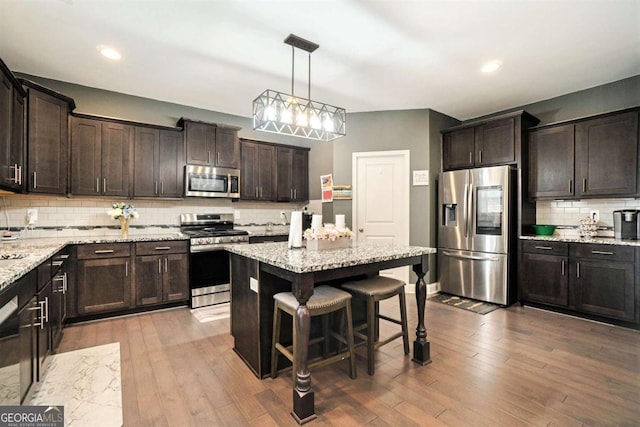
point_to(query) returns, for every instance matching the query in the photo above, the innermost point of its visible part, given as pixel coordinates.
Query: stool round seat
(373, 290)
(379, 286)
(323, 297)
(323, 301)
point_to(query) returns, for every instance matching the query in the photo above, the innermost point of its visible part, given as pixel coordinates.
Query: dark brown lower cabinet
(43, 321)
(162, 272)
(592, 279)
(103, 277)
(605, 288)
(27, 346)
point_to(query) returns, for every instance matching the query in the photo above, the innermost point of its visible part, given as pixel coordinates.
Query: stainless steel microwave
(205, 181)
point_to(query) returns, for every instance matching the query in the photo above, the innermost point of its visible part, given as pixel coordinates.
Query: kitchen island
(260, 271)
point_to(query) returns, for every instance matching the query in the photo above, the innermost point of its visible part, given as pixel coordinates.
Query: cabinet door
(495, 143)
(605, 288)
(6, 95)
(149, 271)
(86, 158)
(44, 340)
(115, 150)
(551, 162)
(300, 175)
(545, 279)
(458, 149)
(27, 347)
(103, 285)
(607, 156)
(250, 174)
(145, 161)
(284, 174)
(200, 139)
(266, 172)
(171, 164)
(175, 285)
(47, 143)
(16, 150)
(227, 148)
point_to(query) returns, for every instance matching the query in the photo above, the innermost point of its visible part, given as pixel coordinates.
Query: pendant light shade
(288, 114)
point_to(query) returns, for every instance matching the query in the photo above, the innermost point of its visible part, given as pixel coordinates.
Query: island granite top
(302, 260)
(598, 240)
(18, 257)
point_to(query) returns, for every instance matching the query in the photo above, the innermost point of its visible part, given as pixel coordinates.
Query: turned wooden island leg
(303, 396)
(421, 346)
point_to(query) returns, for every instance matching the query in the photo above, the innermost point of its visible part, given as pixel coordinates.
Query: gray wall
(597, 100)
(415, 130)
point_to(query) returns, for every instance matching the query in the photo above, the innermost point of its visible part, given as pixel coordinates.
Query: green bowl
(544, 230)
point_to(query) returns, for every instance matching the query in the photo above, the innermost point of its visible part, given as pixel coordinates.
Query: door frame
(406, 172)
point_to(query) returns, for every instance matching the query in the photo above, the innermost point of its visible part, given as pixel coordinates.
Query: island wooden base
(421, 353)
(303, 407)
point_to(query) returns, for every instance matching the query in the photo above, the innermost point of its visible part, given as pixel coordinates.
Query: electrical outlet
(283, 214)
(236, 214)
(32, 216)
(594, 214)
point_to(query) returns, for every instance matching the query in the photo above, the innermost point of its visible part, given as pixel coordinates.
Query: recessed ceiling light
(109, 52)
(491, 66)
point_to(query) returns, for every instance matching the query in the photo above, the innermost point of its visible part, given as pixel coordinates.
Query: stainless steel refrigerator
(475, 233)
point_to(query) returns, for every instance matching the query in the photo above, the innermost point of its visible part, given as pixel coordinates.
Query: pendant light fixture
(288, 114)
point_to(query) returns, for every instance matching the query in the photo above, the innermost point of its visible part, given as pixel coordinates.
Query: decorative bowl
(544, 230)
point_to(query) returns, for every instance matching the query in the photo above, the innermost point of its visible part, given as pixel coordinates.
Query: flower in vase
(328, 232)
(122, 210)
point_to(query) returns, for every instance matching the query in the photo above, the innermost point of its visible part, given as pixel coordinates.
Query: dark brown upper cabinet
(257, 171)
(47, 152)
(100, 153)
(11, 132)
(158, 163)
(551, 160)
(292, 174)
(587, 158)
(485, 142)
(607, 156)
(212, 145)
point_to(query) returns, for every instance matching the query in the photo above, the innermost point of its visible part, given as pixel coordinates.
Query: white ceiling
(373, 55)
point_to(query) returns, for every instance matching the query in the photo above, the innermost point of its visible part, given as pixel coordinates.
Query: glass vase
(124, 228)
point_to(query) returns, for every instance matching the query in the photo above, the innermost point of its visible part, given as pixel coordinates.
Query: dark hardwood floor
(512, 367)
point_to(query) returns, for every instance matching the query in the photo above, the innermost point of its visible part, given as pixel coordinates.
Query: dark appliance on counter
(626, 224)
(205, 181)
(306, 220)
(209, 278)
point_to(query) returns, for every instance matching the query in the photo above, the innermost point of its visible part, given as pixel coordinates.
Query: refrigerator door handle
(471, 257)
(470, 209)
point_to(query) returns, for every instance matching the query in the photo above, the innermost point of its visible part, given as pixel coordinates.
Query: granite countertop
(261, 230)
(18, 257)
(306, 261)
(573, 239)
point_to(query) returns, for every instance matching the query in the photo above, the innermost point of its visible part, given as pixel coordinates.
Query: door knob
(361, 229)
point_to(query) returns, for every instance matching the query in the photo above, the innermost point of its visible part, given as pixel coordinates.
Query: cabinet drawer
(162, 247)
(605, 252)
(104, 250)
(545, 247)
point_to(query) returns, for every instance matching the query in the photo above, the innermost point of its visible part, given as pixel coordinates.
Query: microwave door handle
(228, 183)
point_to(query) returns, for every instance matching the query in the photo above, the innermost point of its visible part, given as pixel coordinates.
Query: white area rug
(87, 383)
(212, 312)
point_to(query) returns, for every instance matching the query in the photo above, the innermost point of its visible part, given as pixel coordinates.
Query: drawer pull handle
(57, 263)
(602, 253)
(563, 267)
(544, 248)
(105, 251)
(162, 248)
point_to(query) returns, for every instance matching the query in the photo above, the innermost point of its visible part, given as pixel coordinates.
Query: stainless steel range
(208, 261)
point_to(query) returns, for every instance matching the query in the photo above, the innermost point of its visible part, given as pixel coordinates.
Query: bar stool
(325, 300)
(373, 290)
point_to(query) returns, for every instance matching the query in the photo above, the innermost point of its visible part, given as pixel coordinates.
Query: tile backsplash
(567, 213)
(61, 216)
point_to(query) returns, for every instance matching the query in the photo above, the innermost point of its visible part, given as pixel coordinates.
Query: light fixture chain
(293, 67)
(309, 90)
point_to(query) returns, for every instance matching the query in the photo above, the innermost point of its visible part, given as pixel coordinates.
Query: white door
(381, 183)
